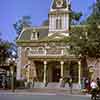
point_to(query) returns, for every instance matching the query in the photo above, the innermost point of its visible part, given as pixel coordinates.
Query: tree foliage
(6, 49)
(94, 31)
(25, 21)
(85, 40)
(94, 18)
(75, 17)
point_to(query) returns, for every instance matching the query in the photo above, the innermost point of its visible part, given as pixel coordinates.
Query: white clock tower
(59, 17)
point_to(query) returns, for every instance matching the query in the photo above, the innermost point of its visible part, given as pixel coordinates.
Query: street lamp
(12, 69)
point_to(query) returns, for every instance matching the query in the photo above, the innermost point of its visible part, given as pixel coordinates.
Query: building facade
(43, 56)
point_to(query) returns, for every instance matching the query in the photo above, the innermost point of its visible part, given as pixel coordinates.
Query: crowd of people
(89, 85)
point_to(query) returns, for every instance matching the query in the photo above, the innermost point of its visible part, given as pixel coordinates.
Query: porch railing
(46, 53)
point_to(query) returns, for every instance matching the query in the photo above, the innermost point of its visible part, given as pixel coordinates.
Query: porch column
(62, 68)
(33, 71)
(28, 71)
(79, 72)
(45, 73)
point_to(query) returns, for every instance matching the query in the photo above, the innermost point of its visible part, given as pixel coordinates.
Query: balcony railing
(46, 53)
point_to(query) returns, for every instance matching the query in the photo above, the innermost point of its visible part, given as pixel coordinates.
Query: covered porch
(46, 72)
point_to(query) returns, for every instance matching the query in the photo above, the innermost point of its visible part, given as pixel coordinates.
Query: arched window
(27, 50)
(41, 50)
(58, 23)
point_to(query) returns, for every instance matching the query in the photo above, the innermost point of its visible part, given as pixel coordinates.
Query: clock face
(59, 3)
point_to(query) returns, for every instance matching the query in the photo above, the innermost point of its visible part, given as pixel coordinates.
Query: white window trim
(34, 36)
(58, 23)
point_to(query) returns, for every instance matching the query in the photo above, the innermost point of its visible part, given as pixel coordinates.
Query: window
(33, 36)
(38, 35)
(58, 23)
(41, 50)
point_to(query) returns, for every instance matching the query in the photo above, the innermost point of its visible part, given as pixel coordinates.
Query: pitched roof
(43, 34)
(27, 33)
(54, 37)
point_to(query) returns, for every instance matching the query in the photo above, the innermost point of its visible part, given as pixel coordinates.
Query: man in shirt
(94, 89)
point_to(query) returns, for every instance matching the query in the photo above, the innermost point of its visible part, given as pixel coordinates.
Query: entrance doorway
(56, 74)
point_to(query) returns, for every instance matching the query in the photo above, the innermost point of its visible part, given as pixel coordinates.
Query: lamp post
(12, 69)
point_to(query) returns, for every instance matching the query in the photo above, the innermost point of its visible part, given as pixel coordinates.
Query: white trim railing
(46, 52)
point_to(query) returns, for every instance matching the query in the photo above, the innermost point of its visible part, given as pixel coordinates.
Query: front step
(56, 91)
(55, 85)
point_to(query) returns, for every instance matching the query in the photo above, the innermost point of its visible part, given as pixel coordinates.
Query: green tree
(85, 40)
(79, 46)
(94, 18)
(4, 51)
(25, 21)
(94, 29)
(75, 17)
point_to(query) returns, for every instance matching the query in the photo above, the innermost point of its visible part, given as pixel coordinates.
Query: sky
(12, 10)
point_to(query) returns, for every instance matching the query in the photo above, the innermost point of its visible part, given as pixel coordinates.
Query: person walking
(98, 82)
(87, 85)
(94, 89)
(70, 84)
(3, 81)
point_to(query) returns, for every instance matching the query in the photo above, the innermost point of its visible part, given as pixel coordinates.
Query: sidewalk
(42, 91)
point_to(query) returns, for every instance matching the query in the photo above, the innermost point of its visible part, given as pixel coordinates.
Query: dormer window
(34, 35)
(58, 23)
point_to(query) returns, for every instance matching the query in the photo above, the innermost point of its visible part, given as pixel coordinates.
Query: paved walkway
(42, 91)
(56, 90)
